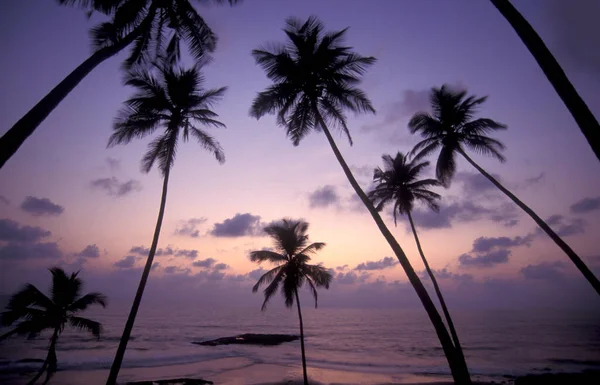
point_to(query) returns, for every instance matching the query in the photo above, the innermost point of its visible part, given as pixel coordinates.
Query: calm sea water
(496, 343)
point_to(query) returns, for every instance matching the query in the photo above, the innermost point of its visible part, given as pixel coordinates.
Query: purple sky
(97, 205)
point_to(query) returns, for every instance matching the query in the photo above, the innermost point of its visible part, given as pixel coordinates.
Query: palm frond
(87, 300)
(267, 256)
(86, 324)
(267, 277)
(319, 275)
(208, 142)
(313, 290)
(29, 296)
(195, 31)
(272, 288)
(64, 288)
(446, 165)
(163, 149)
(312, 248)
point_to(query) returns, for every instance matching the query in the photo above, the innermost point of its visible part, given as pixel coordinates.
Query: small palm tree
(291, 256)
(315, 77)
(587, 122)
(39, 312)
(176, 101)
(399, 184)
(154, 27)
(452, 130)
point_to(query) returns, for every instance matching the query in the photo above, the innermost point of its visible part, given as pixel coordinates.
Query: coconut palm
(291, 255)
(562, 85)
(34, 312)
(175, 100)
(154, 27)
(452, 129)
(399, 184)
(314, 83)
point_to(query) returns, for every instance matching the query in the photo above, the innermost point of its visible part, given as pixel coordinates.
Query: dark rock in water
(174, 381)
(30, 360)
(585, 378)
(251, 339)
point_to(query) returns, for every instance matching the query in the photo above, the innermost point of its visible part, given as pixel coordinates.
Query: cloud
(365, 171)
(22, 251)
(240, 225)
(585, 205)
(189, 228)
(535, 179)
(341, 268)
(351, 278)
(551, 271)
(411, 102)
(446, 274)
(11, 231)
(490, 259)
(323, 197)
(190, 254)
(176, 269)
(126, 262)
(113, 164)
(474, 184)
(221, 266)
(256, 274)
(485, 244)
(207, 263)
(384, 263)
(113, 187)
(140, 250)
(464, 212)
(90, 251)
(4, 200)
(564, 227)
(41, 207)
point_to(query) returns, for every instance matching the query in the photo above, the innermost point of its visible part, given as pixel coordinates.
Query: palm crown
(452, 127)
(291, 254)
(399, 183)
(314, 78)
(163, 23)
(39, 312)
(174, 100)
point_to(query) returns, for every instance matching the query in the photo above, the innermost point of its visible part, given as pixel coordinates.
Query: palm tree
(154, 27)
(39, 312)
(562, 85)
(451, 129)
(291, 256)
(174, 100)
(314, 82)
(399, 184)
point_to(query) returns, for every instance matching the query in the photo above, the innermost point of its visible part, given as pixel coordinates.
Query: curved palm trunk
(581, 113)
(437, 291)
(301, 338)
(17, 134)
(587, 273)
(458, 366)
(48, 361)
(116, 365)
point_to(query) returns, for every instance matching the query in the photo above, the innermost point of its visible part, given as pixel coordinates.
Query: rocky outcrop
(251, 339)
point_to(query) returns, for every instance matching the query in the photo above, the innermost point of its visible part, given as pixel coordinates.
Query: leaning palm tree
(39, 312)
(152, 26)
(399, 184)
(452, 130)
(175, 100)
(562, 85)
(291, 255)
(314, 82)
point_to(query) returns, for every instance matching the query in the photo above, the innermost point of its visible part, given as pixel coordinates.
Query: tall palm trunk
(587, 273)
(116, 365)
(301, 338)
(437, 290)
(17, 134)
(51, 355)
(581, 113)
(458, 366)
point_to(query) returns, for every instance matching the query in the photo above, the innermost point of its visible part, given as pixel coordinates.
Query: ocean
(498, 344)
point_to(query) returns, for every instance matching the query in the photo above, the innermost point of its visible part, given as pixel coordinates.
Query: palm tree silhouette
(399, 184)
(173, 100)
(314, 82)
(452, 130)
(585, 119)
(291, 256)
(39, 312)
(154, 27)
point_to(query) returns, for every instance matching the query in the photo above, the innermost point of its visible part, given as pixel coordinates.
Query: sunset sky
(67, 200)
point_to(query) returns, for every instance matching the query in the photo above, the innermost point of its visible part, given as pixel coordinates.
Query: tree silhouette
(314, 80)
(587, 122)
(154, 27)
(291, 256)
(452, 130)
(39, 312)
(174, 100)
(399, 184)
